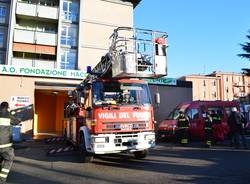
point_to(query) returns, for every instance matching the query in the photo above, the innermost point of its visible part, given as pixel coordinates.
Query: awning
(32, 48)
(55, 86)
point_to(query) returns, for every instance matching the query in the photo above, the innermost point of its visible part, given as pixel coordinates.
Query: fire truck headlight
(101, 139)
(150, 137)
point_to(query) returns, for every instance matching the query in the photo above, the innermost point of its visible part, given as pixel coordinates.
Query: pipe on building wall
(58, 58)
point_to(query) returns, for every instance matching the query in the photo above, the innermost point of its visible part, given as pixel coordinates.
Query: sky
(203, 35)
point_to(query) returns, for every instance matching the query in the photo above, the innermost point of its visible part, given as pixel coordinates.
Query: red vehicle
(111, 110)
(194, 110)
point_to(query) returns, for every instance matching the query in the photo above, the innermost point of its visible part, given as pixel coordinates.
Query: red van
(194, 110)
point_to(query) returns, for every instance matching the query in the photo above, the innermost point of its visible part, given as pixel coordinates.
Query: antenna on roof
(204, 69)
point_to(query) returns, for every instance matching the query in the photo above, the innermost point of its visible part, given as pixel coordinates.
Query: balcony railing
(35, 37)
(49, 64)
(36, 10)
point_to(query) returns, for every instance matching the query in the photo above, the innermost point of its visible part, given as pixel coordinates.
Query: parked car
(194, 110)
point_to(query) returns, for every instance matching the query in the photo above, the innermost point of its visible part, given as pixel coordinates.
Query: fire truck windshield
(115, 93)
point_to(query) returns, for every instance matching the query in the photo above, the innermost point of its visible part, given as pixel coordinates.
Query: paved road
(167, 163)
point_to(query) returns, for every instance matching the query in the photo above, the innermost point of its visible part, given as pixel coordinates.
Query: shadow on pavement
(202, 165)
(192, 164)
(21, 178)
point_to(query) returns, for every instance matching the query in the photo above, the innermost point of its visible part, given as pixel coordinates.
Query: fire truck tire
(85, 156)
(140, 154)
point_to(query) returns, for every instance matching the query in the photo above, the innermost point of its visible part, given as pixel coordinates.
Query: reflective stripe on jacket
(208, 123)
(4, 122)
(216, 119)
(5, 145)
(182, 122)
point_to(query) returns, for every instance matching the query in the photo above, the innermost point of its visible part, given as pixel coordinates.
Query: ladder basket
(138, 53)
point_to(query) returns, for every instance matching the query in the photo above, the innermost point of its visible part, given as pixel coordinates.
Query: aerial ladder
(134, 53)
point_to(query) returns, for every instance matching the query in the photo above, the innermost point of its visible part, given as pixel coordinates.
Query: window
(69, 35)
(193, 113)
(2, 14)
(29, 1)
(204, 94)
(204, 83)
(229, 110)
(1, 39)
(36, 26)
(48, 3)
(68, 59)
(217, 110)
(64, 35)
(3, 34)
(120, 93)
(42, 2)
(2, 57)
(227, 90)
(175, 113)
(49, 29)
(214, 94)
(226, 78)
(214, 83)
(70, 10)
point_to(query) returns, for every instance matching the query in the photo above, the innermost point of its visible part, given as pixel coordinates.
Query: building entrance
(49, 109)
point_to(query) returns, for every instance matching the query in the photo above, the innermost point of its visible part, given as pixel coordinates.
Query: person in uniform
(208, 128)
(236, 124)
(218, 130)
(182, 128)
(215, 118)
(6, 150)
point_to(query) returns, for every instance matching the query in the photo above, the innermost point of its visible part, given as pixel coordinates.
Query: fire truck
(111, 110)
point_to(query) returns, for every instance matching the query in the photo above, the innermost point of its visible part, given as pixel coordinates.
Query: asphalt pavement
(167, 163)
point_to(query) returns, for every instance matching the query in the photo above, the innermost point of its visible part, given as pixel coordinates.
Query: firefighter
(6, 150)
(208, 128)
(215, 118)
(218, 132)
(182, 128)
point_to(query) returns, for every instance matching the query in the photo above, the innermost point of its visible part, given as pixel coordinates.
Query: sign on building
(19, 101)
(163, 81)
(41, 72)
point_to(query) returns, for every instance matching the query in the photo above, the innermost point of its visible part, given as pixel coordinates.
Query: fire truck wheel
(85, 156)
(140, 154)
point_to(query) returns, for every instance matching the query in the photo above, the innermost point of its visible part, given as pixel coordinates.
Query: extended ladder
(134, 52)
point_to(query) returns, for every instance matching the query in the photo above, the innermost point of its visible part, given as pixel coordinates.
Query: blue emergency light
(89, 69)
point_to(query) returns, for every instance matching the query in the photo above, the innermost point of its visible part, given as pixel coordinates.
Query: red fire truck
(194, 110)
(111, 110)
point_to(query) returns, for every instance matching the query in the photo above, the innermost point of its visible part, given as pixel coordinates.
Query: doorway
(49, 112)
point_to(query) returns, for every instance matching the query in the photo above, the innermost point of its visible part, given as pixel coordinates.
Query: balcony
(240, 95)
(35, 10)
(48, 64)
(35, 37)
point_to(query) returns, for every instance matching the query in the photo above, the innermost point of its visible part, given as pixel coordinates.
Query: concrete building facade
(220, 86)
(48, 45)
